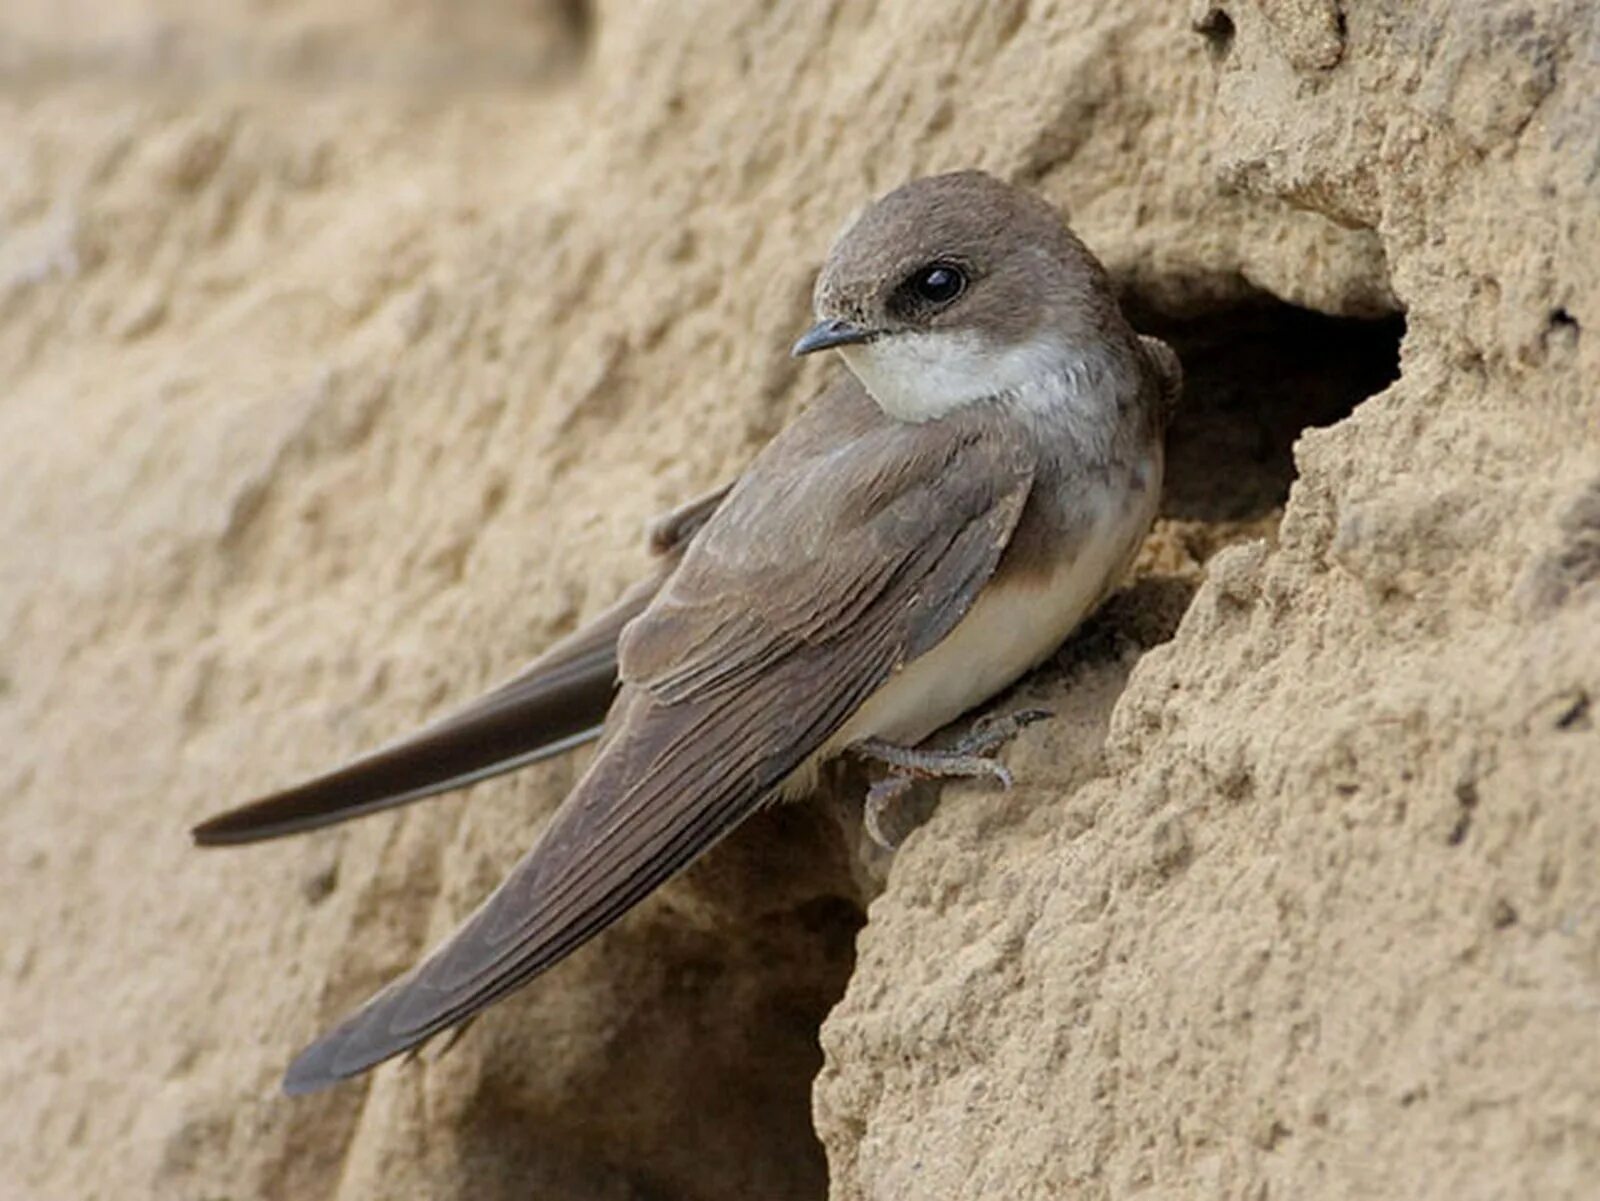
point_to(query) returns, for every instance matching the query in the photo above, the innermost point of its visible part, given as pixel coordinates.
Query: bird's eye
(938, 283)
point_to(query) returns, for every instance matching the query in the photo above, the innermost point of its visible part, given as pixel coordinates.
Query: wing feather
(555, 703)
(817, 577)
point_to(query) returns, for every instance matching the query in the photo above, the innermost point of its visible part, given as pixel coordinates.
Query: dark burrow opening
(1216, 27)
(1255, 375)
(706, 1083)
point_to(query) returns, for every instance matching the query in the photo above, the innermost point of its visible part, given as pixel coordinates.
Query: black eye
(938, 283)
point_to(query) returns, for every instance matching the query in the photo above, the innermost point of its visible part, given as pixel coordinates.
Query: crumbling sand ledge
(345, 360)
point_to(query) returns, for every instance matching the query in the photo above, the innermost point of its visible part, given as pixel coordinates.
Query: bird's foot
(970, 758)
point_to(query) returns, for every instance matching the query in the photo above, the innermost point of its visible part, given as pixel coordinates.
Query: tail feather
(557, 702)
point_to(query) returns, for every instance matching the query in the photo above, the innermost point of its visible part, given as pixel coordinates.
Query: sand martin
(931, 528)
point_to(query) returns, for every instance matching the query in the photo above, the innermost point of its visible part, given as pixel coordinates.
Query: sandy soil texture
(346, 350)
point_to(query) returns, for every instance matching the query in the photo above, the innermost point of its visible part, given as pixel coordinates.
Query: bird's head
(953, 289)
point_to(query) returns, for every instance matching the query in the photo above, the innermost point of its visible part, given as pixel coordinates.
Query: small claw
(880, 796)
(994, 730)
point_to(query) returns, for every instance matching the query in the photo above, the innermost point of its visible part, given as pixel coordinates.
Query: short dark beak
(834, 332)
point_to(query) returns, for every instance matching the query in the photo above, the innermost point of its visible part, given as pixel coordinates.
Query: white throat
(919, 377)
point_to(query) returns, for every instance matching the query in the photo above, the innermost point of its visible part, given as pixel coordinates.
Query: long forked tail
(557, 702)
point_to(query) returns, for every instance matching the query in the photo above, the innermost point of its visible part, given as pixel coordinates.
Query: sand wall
(345, 356)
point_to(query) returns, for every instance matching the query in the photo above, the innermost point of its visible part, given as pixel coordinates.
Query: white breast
(1012, 628)
(923, 376)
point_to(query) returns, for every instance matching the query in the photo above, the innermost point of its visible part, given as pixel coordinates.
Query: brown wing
(555, 703)
(852, 545)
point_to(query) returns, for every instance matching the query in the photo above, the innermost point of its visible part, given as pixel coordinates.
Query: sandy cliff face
(345, 358)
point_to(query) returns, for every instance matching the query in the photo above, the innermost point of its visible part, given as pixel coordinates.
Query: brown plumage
(725, 692)
(895, 555)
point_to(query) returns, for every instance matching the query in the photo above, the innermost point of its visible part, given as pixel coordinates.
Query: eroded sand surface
(346, 355)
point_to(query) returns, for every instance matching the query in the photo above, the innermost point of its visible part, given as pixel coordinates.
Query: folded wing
(852, 545)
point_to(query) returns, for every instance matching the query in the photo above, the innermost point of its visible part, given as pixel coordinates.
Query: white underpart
(1012, 628)
(1015, 624)
(922, 376)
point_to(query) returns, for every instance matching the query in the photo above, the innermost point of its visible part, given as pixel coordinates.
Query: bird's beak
(833, 332)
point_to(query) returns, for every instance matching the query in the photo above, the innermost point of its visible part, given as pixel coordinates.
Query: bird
(929, 529)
